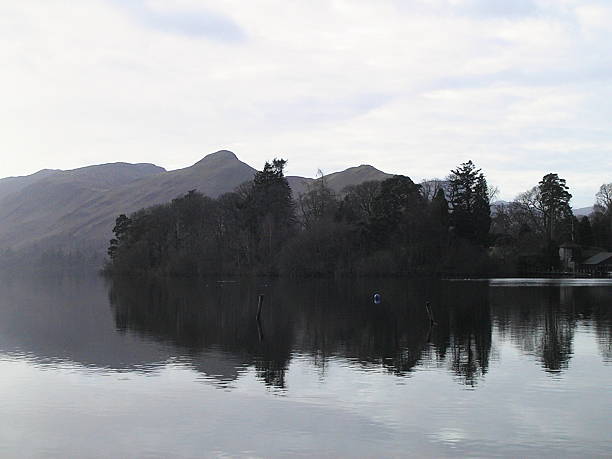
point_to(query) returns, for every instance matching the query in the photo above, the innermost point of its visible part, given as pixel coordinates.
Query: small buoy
(377, 298)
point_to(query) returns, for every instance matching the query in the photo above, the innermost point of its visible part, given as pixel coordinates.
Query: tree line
(528, 231)
(389, 227)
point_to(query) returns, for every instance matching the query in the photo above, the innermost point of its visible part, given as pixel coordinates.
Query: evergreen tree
(394, 206)
(471, 214)
(271, 209)
(554, 200)
(121, 230)
(482, 210)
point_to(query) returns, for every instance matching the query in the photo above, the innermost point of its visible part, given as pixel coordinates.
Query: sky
(520, 87)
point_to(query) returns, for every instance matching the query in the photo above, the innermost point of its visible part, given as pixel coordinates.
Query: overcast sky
(521, 87)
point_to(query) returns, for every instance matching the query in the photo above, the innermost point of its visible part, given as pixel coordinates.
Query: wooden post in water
(430, 314)
(260, 299)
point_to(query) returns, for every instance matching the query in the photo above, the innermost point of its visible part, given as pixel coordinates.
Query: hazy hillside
(215, 174)
(10, 185)
(77, 209)
(581, 212)
(42, 209)
(337, 181)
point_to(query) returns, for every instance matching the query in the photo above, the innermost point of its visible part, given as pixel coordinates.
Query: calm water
(93, 368)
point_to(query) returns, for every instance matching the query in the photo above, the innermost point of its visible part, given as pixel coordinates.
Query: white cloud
(411, 88)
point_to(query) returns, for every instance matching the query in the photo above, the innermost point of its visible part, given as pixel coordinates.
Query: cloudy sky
(521, 87)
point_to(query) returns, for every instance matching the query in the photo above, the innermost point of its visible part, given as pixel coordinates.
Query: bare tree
(430, 187)
(362, 197)
(493, 191)
(604, 197)
(318, 202)
(531, 209)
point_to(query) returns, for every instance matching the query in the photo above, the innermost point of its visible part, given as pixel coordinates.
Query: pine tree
(554, 199)
(271, 208)
(121, 230)
(471, 214)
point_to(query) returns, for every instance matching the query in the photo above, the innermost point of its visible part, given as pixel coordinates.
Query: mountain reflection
(210, 326)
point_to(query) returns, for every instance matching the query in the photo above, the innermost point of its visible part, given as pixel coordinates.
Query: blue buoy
(377, 298)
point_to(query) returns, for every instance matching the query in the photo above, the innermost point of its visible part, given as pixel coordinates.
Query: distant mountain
(10, 185)
(354, 176)
(583, 211)
(337, 181)
(45, 209)
(77, 209)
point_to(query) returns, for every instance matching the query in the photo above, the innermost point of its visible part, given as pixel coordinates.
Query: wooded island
(390, 227)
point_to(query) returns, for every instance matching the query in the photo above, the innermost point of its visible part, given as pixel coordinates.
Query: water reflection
(323, 319)
(542, 321)
(211, 327)
(356, 379)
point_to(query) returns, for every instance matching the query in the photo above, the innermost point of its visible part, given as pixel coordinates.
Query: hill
(337, 181)
(76, 209)
(583, 211)
(10, 185)
(43, 210)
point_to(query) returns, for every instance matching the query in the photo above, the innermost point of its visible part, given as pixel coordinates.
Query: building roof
(599, 259)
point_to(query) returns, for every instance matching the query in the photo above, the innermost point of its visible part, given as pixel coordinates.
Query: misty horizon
(579, 206)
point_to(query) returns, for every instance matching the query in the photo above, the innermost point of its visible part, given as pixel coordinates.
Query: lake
(91, 367)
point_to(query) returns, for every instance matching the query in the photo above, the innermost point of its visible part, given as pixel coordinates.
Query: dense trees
(529, 230)
(584, 231)
(318, 204)
(387, 227)
(195, 234)
(269, 211)
(391, 227)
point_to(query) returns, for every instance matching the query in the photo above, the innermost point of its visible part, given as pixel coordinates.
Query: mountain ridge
(76, 209)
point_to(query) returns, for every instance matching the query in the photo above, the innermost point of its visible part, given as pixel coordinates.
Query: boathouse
(600, 264)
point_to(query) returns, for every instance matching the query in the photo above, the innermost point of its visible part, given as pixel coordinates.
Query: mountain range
(76, 209)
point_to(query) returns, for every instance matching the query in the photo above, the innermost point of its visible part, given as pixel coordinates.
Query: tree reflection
(463, 335)
(320, 320)
(542, 320)
(201, 317)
